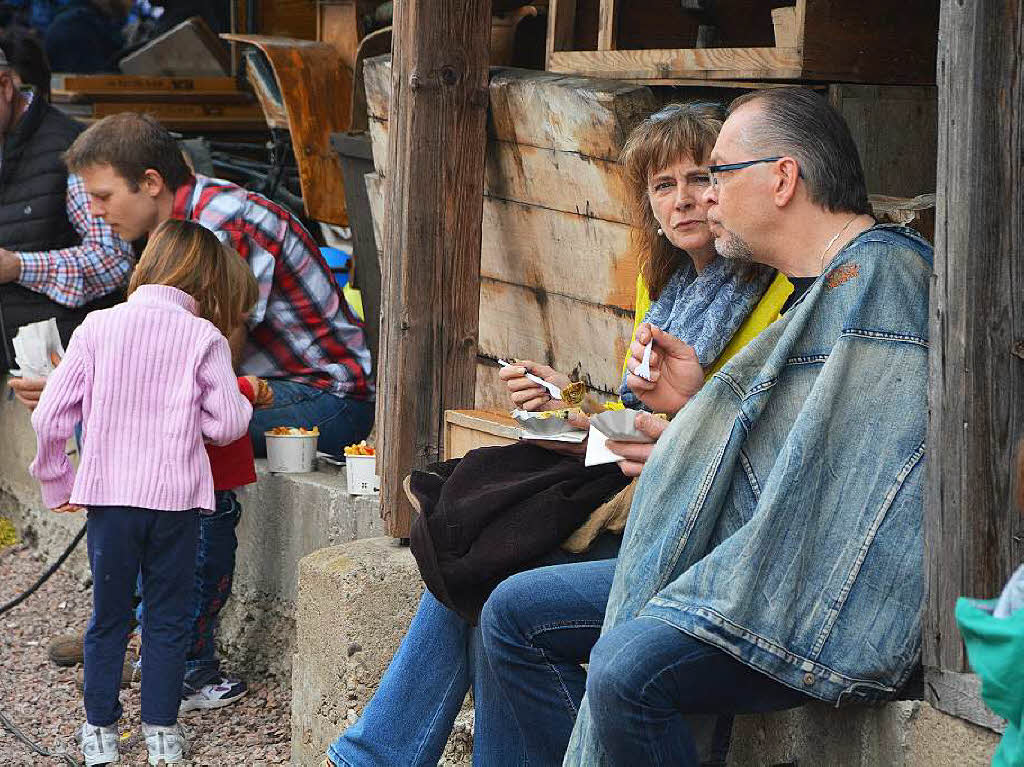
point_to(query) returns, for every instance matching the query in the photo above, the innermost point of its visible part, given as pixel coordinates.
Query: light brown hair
(675, 132)
(189, 257)
(131, 143)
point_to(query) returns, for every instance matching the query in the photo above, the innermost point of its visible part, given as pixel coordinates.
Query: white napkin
(643, 370)
(597, 452)
(32, 347)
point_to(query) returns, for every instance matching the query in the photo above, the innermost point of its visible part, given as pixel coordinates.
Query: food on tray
(573, 393)
(361, 449)
(562, 413)
(293, 431)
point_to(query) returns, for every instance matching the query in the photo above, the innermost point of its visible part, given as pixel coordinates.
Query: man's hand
(676, 375)
(635, 454)
(578, 449)
(10, 266)
(27, 390)
(527, 395)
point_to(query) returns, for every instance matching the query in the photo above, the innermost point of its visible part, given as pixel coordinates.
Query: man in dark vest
(56, 260)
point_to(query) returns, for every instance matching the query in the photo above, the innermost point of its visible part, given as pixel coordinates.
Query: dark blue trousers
(161, 545)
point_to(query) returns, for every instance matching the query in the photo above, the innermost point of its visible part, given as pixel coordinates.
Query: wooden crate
(872, 41)
(466, 430)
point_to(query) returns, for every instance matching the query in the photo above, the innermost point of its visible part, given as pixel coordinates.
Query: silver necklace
(821, 261)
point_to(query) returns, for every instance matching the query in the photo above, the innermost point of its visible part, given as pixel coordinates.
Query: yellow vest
(768, 309)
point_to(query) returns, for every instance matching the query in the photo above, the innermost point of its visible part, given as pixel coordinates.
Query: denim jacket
(779, 518)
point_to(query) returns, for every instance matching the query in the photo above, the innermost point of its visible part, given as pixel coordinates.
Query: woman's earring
(661, 232)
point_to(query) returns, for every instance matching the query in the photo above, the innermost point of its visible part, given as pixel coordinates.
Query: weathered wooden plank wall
(974, 533)
(557, 271)
(430, 275)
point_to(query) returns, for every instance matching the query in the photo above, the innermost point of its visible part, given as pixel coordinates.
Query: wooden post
(431, 270)
(607, 26)
(974, 534)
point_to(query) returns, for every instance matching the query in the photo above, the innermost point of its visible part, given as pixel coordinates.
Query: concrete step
(355, 604)
(897, 734)
(284, 518)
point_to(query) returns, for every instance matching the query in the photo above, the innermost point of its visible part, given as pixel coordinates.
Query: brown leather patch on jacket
(841, 274)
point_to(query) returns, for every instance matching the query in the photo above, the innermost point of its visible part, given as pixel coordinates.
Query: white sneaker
(166, 745)
(221, 692)
(99, 744)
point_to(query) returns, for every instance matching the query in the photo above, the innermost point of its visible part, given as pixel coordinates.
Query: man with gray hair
(773, 552)
(56, 259)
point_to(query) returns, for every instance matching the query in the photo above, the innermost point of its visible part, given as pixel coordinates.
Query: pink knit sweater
(149, 380)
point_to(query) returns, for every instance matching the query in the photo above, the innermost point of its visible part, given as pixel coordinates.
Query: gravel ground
(43, 701)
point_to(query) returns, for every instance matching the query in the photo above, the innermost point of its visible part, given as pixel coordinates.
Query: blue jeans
(540, 626)
(214, 575)
(341, 420)
(409, 718)
(121, 541)
(646, 675)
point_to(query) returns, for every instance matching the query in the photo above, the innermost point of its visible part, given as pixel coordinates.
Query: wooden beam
(543, 109)
(788, 27)
(561, 28)
(431, 270)
(974, 534)
(608, 18)
(693, 63)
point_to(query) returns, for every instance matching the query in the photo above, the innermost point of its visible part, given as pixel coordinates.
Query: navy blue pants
(122, 542)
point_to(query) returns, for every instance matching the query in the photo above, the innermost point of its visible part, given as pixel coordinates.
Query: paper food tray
(619, 425)
(535, 427)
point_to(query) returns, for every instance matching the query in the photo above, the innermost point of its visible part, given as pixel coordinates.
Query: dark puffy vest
(33, 216)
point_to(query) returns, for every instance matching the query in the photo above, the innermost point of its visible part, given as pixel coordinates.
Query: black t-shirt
(800, 286)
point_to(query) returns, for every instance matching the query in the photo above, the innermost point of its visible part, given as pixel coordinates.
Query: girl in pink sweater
(150, 380)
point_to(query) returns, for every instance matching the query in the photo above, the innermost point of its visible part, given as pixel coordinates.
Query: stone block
(284, 517)
(354, 606)
(20, 501)
(897, 734)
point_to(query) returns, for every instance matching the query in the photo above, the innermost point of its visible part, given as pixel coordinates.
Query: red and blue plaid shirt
(100, 264)
(301, 328)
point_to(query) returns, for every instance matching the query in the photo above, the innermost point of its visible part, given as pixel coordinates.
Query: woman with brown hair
(704, 307)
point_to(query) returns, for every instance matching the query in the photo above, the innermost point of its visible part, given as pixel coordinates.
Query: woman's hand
(67, 508)
(676, 375)
(635, 454)
(578, 449)
(527, 395)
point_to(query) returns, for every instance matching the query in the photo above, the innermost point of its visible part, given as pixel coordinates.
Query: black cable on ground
(17, 733)
(7, 723)
(45, 576)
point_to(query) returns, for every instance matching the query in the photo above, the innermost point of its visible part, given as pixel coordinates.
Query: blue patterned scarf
(705, 309)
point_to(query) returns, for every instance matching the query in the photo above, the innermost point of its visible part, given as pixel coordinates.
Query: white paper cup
(290, 453)
(361, 471)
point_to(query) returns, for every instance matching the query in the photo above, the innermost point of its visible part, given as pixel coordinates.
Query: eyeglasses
(714, 170)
